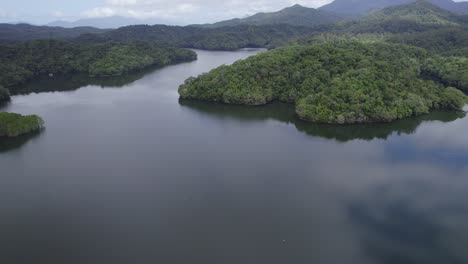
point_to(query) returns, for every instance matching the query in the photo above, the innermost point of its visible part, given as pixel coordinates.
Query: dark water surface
(126, 173)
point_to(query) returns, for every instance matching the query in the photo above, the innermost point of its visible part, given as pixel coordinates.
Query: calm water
(126, 173)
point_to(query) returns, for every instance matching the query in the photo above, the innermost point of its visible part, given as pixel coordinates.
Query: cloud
(192, 10)
(58, 14)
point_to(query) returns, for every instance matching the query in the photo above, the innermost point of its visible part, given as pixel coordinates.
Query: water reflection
(75, 81)
(285, 113)
(8, 144)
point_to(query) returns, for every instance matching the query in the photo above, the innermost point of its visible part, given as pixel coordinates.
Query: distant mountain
(362, 7)
(421, 11)
(296, 15)
(414, 17)
(21, 32)
(105, 22)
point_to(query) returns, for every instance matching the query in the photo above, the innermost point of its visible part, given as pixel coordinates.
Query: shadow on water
(388, 240)
(285, 113)
(75, 81)
(8, 144)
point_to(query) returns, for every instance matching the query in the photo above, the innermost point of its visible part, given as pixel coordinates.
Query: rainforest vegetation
(4, 94)
(26, 60)
(13, 125)
(338, 82)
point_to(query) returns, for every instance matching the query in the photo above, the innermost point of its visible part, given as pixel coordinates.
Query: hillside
(414, 17)
(22, 32)
(362, 7)
(338, 82)
(26, 60)
(420, 11)
(296, 15)
(224, 38)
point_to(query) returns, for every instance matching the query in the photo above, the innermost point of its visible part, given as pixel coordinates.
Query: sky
(170, 11)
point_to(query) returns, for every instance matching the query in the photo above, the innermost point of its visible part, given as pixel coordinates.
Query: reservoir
(125, 172)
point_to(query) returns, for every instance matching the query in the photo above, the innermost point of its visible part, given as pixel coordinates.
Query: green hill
(363, 7)
(27, 60)
(296, 15)
(336, 82)
(420, 11)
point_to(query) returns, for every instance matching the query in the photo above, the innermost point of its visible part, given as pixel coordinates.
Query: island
(339, 81)
(13, 125)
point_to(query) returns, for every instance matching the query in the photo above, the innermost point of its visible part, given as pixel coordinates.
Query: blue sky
(176, 11)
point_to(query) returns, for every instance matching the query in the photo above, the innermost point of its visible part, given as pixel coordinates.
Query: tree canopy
(337, 82)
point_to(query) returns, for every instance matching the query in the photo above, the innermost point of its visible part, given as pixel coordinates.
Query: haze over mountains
(295, 15)
(106, 22)
(362, 7)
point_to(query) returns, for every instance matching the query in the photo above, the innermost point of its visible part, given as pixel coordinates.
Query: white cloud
(192, 10)
(58, 14)
(100, 12)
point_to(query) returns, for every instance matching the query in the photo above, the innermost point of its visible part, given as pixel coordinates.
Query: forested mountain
(24, 61)
(362, 7)
(339, 82)
(420, 11)
(296, 15)
(224, 38)
(414, 17)
(21, 32)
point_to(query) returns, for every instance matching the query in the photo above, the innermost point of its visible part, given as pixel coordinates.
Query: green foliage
(13, 125)
(24, 61)
(4, 94)
(446, 41)
(451, 71)
(334, 82)
(223, 38)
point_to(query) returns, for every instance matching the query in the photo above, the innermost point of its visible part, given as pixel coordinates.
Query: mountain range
(106, 22)
(295, 15)
(362, 7)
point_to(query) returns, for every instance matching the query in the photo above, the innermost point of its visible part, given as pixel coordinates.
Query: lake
(125, 172)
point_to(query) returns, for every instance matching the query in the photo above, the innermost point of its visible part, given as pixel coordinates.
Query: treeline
(24, 61)
(4, 94)
(338, 81)
(224, 38)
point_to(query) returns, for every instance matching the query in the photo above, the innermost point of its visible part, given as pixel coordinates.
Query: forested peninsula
(339, 82)
(26, 60)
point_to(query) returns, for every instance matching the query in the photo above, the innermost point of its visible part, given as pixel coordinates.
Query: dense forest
(223, 38)
(26, 60)
(338, 82)
(13, 125)
(4, 94)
